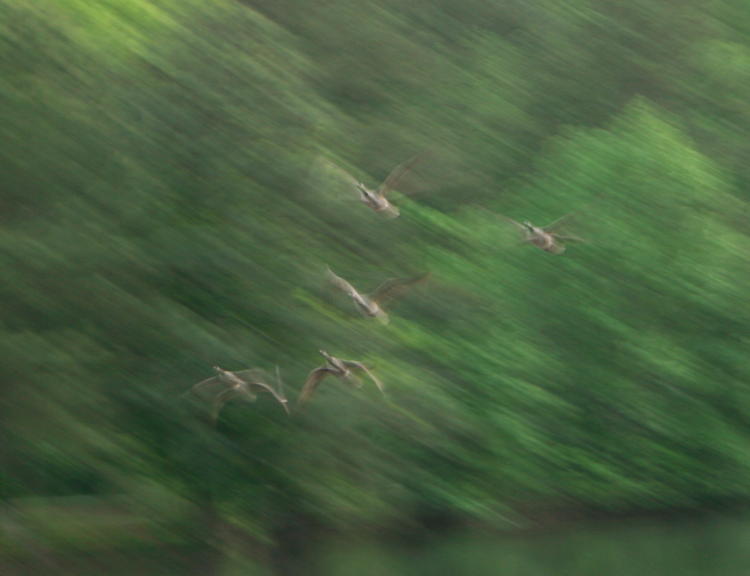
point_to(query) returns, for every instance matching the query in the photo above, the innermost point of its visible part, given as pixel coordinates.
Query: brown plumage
(227, 386)
(376, 199)
(372, 305)
(550, 238)
(344, 369)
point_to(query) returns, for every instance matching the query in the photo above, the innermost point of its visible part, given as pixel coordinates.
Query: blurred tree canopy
(163, 209)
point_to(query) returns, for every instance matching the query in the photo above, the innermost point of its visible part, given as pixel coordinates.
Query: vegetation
(165, 208)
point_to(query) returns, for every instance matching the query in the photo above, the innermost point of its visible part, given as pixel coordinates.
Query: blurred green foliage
(163, 210)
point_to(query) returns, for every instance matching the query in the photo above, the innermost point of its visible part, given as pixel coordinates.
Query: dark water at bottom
(706, 547)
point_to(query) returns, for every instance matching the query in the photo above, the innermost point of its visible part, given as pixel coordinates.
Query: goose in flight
(550, 238)
(345, 369)
(230, 385)
(376, 199)
(371, 305)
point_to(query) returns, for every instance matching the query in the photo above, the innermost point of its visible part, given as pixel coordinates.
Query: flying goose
(549, 238)
(233, 385)
(344, 369)
(371, 305)
(376, 199)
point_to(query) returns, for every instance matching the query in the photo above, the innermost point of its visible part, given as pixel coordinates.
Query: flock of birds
(226, 386)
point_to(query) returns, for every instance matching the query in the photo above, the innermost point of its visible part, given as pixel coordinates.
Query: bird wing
(568, 238)
(204, 384)
(338, 171)
(395, 287)
(311, 385)
(359, 366)
(353, 379)
(516, 223)
(559, 232)
(341, 284)
(526, 238)
(224, 397)
(397, 173)
(252, 375)
(279, 398)
(558, 224)
(280, 383)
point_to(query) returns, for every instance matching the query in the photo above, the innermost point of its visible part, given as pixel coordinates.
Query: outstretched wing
(252, 375)
(337, 171)
(224, 397)
(353, 379)
(312, 383)
(395, 287)
(279, 398)
(397, 173)
(281, 392)
(359, 366)
(568, 237)
(516, 223)
(341, 284)
(280, 383)
(558, 224)
(206, 385)
(559, 232)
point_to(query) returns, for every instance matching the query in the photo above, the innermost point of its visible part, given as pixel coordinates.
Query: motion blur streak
(176, 177)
